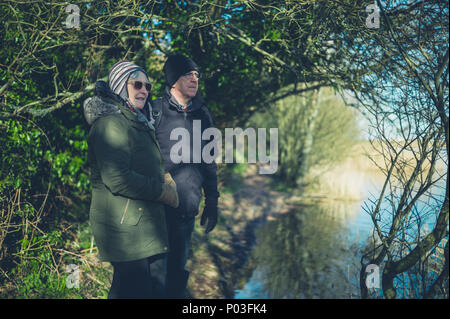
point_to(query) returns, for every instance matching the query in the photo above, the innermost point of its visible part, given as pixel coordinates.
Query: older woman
(129, 186)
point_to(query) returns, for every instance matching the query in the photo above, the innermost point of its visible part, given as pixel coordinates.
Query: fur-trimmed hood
(101, 104)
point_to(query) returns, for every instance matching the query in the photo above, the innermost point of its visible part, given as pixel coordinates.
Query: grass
(230, 177)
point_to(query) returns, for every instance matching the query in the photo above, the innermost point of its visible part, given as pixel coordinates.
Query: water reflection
(306, 253)
(314, 251)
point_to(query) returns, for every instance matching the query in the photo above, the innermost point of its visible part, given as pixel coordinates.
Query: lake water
(313, 251)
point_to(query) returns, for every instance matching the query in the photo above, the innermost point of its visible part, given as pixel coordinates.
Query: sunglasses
(138, 85)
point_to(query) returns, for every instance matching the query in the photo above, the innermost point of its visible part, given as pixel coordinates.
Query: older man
(180, 106)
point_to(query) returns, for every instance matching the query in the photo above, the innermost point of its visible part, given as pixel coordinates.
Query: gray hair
(135, 74)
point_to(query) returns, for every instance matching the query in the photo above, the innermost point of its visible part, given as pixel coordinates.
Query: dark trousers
(139, 279)
(180, 232)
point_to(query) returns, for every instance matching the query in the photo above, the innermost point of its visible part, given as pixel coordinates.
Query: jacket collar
(133, 118)
(195, 104)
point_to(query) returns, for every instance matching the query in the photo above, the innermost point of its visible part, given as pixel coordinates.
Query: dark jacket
(189, 177)
(127, 174)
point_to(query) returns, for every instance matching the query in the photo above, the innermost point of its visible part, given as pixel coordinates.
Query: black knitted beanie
(176, 66)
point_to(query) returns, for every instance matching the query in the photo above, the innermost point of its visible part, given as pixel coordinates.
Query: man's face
(187, 84)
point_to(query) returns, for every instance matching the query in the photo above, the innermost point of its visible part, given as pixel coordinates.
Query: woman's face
(138, 96)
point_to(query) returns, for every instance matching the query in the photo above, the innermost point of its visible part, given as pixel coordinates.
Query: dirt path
(218, 258)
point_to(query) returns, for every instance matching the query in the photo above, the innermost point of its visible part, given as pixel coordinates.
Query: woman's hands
(169, 195)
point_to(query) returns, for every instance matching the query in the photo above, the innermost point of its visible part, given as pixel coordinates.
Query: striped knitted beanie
(119, 74)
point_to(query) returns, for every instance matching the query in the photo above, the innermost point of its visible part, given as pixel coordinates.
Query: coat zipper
(125, 211)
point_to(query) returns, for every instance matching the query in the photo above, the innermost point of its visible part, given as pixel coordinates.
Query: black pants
(180, 232)
(139, 279)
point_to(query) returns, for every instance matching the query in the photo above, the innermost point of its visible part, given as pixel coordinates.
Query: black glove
(210, 213)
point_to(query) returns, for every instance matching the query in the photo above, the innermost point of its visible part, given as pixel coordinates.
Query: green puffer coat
(127, 174)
